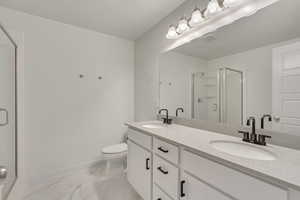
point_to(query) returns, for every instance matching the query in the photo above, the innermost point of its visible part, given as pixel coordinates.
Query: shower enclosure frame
(15, 110)
(222, 96)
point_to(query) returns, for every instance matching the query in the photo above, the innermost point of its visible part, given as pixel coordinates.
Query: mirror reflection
(248, 68)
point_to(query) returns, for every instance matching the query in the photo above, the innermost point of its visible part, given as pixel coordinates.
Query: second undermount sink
(153, 125)
(244, 150)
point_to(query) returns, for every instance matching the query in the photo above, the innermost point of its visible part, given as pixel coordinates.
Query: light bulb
(172, 34)
(182, 25)
(229, 3)
(212, 8)
(196, 17)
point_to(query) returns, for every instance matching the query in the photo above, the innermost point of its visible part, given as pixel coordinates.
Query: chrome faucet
(166, 120)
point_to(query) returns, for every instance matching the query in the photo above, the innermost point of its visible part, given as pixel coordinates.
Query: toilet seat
(115, 149)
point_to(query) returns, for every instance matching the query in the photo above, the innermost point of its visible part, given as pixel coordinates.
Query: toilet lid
(117, 148)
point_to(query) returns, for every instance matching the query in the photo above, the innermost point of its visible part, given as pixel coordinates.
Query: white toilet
(116, 151)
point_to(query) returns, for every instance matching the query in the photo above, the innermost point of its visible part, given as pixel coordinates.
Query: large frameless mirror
(8, 129)
(248, 68)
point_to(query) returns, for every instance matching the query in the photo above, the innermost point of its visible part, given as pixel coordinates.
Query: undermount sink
(153, 125)
(244, 150)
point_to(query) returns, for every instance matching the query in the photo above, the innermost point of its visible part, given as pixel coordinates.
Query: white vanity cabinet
(139, 165)
(162, 170)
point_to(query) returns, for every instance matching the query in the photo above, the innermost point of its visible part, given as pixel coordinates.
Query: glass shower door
(8, 130)
(231, 96)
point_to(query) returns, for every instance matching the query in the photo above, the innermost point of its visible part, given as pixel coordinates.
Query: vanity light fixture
(182, 25)
(196, 17)
(213, 7)
(172, 33)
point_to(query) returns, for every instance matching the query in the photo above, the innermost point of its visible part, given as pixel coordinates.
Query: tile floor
(89, 184)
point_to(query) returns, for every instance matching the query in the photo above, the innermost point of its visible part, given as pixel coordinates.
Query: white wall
(68, 120)
(175, 73)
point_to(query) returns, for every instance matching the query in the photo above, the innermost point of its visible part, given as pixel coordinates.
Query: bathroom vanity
(169, 162)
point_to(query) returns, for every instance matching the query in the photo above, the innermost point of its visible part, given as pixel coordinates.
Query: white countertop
(284, 170)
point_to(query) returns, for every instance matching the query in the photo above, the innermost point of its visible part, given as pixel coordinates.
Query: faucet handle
(245, 136)
(262, 139)
(167, 120)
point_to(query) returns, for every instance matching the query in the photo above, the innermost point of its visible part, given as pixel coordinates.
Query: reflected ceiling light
(212, 8)
(182, 25)
(172, 33)
(249, 10)
(229, 3)
(196, 17)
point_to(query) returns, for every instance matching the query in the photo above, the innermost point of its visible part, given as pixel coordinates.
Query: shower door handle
(3, 172)
(5, 122)
(276, 119)
(3, 110)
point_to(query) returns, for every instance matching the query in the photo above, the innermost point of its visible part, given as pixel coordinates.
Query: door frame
(277, 79)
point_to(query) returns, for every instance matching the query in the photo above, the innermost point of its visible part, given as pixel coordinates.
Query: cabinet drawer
(166, 176)
(159, 195)
(237, 184)
(166, 150)
(140, 138)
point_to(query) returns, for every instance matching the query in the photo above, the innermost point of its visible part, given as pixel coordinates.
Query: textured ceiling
(123, 18)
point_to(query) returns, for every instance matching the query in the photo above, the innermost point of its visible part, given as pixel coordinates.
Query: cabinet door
(194, 189)
(139, 170)
(158, 194)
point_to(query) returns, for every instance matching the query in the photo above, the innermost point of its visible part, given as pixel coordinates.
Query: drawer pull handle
(147, 163)
(163, 150)
(159, 199)
(162, 171)
(182, 194)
